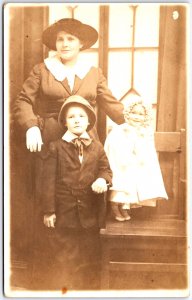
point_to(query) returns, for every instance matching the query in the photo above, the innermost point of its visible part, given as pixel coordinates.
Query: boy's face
(136, 115)
(77, 120)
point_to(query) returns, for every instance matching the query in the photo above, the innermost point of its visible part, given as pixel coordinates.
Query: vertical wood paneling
(103, 64)
(171, 106)
(16, 52)
(172, 51)
(182, 45)
(183, 197)
(33, 28)
(26, 50)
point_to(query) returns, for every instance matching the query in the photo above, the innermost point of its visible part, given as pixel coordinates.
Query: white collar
(69, 136)
(136, 130)
(60, 71)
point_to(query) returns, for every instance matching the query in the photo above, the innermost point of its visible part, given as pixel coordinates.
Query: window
(133, 51)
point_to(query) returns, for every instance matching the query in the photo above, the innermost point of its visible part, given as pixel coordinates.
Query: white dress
(136, 171)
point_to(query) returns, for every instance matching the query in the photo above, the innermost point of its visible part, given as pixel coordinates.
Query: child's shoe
(116, 211)
(127, 218)
(119, 218)
(125, 214)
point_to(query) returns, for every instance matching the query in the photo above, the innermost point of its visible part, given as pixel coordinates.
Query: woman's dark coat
(42, 96)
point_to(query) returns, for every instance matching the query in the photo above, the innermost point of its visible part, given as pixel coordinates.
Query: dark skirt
(67, 260)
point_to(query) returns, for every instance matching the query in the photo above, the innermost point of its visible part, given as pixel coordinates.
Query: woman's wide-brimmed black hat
(78, 100)
(85, 33)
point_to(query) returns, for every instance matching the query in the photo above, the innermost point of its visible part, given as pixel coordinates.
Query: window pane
(120, 25)
(147, 26)
(146, 72)
(88, 14)
(58, 11)
(119, 73)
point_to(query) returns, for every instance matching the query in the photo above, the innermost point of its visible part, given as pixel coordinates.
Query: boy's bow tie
(79, 142)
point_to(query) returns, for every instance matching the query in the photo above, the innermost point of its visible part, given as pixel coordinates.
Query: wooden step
(161, 228)
(147, 267)
(151, 253)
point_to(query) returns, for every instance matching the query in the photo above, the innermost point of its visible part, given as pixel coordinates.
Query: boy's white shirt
(69, 136)
(60, 71)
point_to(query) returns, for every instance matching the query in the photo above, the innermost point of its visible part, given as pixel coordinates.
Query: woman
(45, 90)
(37, 106)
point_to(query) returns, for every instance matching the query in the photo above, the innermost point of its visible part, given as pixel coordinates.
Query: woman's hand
(49, 220)
(99, 186)
(34, 139)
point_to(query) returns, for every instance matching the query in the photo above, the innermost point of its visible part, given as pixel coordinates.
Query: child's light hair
(130, 103)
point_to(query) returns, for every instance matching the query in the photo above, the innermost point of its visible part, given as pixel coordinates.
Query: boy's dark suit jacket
(66, 184)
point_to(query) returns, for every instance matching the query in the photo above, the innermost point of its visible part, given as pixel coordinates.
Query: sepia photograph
(96, 155)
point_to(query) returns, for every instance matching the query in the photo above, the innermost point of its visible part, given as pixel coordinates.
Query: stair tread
(161, 228)
(147, 267)
(147, 263)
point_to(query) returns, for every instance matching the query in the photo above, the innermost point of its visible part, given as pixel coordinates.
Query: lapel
(86, 154)
(77, 84)
(70, 149)
(66, 86)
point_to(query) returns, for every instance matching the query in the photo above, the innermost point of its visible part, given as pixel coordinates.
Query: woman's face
(76, 120)
(68, 46)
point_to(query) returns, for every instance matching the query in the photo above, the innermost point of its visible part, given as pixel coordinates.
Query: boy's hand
(99, 186)
(49, 220)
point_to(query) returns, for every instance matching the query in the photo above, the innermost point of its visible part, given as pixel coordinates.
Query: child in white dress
(130, 147)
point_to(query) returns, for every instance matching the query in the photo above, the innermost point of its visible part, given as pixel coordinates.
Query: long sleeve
(109, 104)
(49, 175)
(118, 149)
(24, 109)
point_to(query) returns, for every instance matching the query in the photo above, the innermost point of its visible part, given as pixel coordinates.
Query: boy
(76, 174)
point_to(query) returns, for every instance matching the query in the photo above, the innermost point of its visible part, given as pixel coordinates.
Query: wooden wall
(25, 50)
(172, 100)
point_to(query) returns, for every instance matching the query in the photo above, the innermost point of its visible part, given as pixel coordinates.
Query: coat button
(78, 201)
